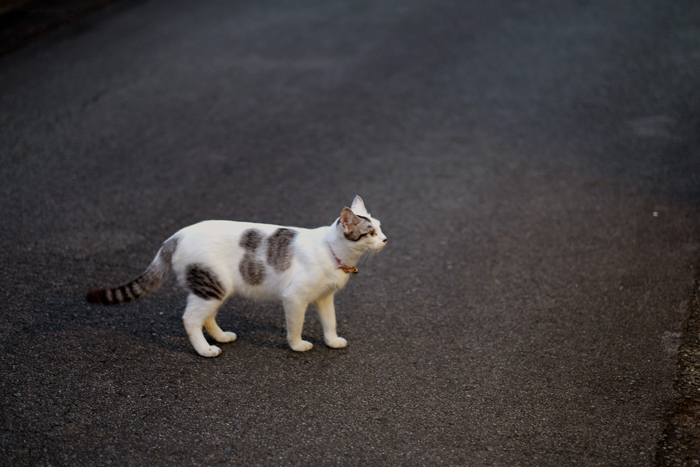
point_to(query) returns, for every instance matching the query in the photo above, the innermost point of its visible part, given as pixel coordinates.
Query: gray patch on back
(251, 239)
(279, 254)
(252, 269)
(168, 250)
(204, 283)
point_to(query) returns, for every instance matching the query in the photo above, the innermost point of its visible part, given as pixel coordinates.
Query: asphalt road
(535, 165)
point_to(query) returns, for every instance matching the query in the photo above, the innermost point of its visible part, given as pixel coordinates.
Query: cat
(214, 260)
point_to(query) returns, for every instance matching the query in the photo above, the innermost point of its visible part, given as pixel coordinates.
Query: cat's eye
(371, 232)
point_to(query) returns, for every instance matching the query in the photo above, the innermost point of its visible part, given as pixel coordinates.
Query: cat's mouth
(381, 246)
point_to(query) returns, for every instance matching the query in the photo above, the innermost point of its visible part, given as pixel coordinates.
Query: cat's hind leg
(215, 331)
(199, 311)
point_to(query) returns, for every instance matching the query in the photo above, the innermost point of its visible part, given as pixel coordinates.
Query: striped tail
(148, 282)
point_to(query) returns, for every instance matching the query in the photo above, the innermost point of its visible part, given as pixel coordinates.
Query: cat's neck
(340, 249)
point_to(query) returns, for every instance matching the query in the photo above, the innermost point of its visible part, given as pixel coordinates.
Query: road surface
(536, 168)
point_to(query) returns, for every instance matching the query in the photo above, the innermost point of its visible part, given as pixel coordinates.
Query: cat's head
(360, 228)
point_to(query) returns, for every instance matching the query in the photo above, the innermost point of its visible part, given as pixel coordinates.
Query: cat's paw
(211, 351)
(227, 337)
(336, 343)
(301, 346)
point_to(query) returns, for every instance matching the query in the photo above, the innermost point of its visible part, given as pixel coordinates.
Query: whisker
(367, 255)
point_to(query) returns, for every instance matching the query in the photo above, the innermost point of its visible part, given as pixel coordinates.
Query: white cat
(214, 260)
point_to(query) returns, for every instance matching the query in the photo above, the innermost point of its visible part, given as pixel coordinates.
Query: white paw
(336, 343)
(227, 337)
(301, 346)
(211, 351)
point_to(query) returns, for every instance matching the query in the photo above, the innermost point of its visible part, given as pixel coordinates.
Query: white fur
(313, 277)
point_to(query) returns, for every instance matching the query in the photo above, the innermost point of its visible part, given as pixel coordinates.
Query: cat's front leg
(294, 312)
(326, 312)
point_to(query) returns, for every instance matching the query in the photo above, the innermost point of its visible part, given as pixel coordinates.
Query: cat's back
(223, 228)
(234, 239)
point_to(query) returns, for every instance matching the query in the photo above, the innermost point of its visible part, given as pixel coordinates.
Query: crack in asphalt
(680, 442)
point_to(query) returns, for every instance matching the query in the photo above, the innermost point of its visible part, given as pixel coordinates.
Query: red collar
(341, 266)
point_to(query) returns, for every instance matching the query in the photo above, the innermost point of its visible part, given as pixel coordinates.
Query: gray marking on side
(279, 254)
(252, 270)
(203, 282)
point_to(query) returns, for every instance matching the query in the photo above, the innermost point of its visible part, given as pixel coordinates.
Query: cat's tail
(148, 282)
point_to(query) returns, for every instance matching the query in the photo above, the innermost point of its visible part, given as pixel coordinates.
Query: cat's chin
(377, 249)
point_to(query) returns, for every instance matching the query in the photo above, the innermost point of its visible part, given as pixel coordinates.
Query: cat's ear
(349, 220)
(359, 206)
